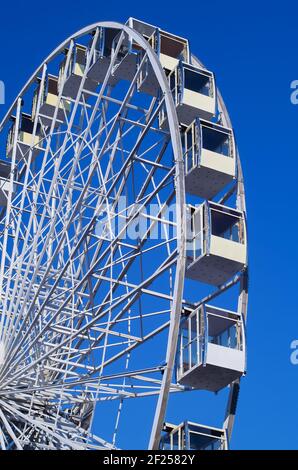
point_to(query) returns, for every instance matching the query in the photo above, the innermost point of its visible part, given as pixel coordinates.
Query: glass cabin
(216, 243)
(210, 158)
(194, 94)
(101, 57)
(5, 169)
(74, 74)
(25, 140)
(212, 348)
(169, 48)
(193, 436)
(49, 102)
(125, 65)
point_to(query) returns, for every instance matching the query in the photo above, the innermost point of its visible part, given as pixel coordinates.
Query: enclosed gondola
(49, 101)
(71, 74)
(212, 348)
(194, 94)
(27, 138)
(209, 156)
(217, 244)
(5, 183)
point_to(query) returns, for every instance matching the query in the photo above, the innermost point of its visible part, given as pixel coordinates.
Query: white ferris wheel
(123, 260)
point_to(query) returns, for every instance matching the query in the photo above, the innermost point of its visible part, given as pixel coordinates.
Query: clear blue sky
(253, 49)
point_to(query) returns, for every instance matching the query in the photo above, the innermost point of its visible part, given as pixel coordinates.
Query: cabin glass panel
(192, 436)
(173, 46)
(227, 225)
(195, 235)
(5, 184)
(198, 81)
(76, 64)
(217, 140)
(203, 438)
(190, 346)
(190, 147)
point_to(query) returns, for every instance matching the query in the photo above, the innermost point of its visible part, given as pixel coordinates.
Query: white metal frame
(71, 298)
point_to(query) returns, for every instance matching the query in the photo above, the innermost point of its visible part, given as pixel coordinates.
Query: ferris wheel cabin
(49, 100)
(169, 47)
(209, 156)
(5, 184)
(216, 245)
(212, 348)
(192, 436)
(101, 56)
(70, 77)
(125, 65)
(194, 94)
(26, 140)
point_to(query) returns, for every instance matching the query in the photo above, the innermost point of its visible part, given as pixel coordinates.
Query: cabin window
(226, 225)
(173, 82)
(53, 86)
(80, 56)
(224, 330)
(195, 232)
(189, 342)
(201, 438)
(189, 149)
(216, 141)
(171, 46)
(197, 82)
(27, 125)
(4, 169)
(193, 436)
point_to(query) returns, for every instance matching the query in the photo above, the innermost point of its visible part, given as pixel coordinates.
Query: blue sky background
(253, 49)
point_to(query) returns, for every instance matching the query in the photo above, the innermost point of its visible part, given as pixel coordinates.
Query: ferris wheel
(123, 261)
